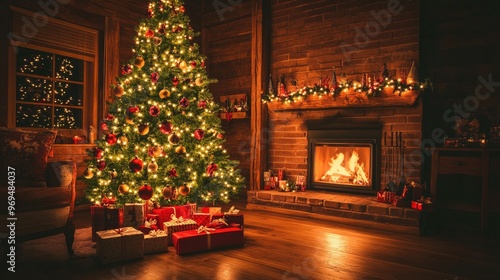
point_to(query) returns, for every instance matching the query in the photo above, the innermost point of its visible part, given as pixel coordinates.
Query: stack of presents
(135, 230)
(411, 195)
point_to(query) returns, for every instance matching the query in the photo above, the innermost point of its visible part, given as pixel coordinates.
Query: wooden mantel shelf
(350, 99)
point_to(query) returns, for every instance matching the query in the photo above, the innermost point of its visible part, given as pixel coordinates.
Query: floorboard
(293, 248)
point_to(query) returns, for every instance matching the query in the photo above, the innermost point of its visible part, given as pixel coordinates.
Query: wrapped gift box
(211, 210)
(133, 214)
(191, 241)
(155, 242)
(234, 219)
(104, 217)
(202, 219)
(386, 196)
(164, 214)
(177, 226)
(119, 245)
(149, 225)
(421, 206)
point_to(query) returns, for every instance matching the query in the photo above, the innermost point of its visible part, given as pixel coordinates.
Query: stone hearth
(357, 210)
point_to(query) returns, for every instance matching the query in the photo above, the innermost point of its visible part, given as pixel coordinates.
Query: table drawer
(460, 165)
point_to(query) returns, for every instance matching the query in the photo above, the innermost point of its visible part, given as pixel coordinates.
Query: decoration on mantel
(369, 85)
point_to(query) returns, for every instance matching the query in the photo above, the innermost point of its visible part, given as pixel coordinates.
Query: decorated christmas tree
(161, 137)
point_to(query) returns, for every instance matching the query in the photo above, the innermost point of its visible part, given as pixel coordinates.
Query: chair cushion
(27, 152)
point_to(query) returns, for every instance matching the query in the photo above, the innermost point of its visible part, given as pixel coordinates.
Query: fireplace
(344, 157)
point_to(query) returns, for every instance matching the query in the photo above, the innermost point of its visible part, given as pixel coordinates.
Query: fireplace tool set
(394, 161)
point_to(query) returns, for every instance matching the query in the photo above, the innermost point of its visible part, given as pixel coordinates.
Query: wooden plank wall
(227, 42)
(459, 43)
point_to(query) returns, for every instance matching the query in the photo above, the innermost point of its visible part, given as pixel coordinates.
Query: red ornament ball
(126, 69)
(104, 126)
(199, 134)
(220, 136)
(101, 165)
(132, 110)
(135, 164)
(166, 127)
(111, 138)
(154, 111)
(97, 152)
(145, 192)
(193, 64)
(150, 33)
(110, 117)
(175, 81)
(202, 104)
(155, 77)
(211, 168)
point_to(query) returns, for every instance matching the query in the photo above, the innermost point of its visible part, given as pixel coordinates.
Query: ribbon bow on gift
(176, 220)
(120, 230)
(156, 232)
(150, 223)
(233, 210)
(205, 229)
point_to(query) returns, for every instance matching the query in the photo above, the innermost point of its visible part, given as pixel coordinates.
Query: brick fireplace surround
(287, 149)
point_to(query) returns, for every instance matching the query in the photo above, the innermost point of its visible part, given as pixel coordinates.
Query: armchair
(44, 192)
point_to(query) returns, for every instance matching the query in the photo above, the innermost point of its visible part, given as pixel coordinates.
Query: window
(53, 76)
(49, 90)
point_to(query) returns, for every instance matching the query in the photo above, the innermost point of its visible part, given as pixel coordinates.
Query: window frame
(83, 44)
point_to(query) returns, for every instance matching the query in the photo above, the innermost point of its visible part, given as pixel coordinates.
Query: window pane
(34, 62)
(33, 116)
(68, 94)
(69, 68)
(67, 118)
(33, 90)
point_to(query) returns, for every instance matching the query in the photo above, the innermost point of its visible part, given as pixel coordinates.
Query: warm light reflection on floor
(224, 272)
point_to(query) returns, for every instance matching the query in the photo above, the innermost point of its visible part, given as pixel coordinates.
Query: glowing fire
(347, 165)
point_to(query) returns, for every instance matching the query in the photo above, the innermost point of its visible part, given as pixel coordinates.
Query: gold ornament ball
(123, 188)
(164, 93)
(128, 120)
(180, 150)
(167, 192)
(183, 65)
(153, 166)
(184, 190)
(139, 62)
(143, 129)
(113, 174)
(88, 173)
(157, 150)
(118, 91)
(198, 82)
(123, 140)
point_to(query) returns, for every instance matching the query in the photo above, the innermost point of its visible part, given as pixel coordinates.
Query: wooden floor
(284, 247)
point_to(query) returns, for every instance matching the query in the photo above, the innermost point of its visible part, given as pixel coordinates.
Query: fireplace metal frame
(321, 132)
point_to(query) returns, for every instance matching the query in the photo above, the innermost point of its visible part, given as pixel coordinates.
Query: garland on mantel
(371, 87)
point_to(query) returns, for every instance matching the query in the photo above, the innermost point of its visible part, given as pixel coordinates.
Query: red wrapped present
(234, 220)
(103, 218)
(149, 225)
(425, 205)
(203, 239)
(178, 224)
(202, 219)
(386, 196)
(155, 241)
(119, 244)
(165, 213)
